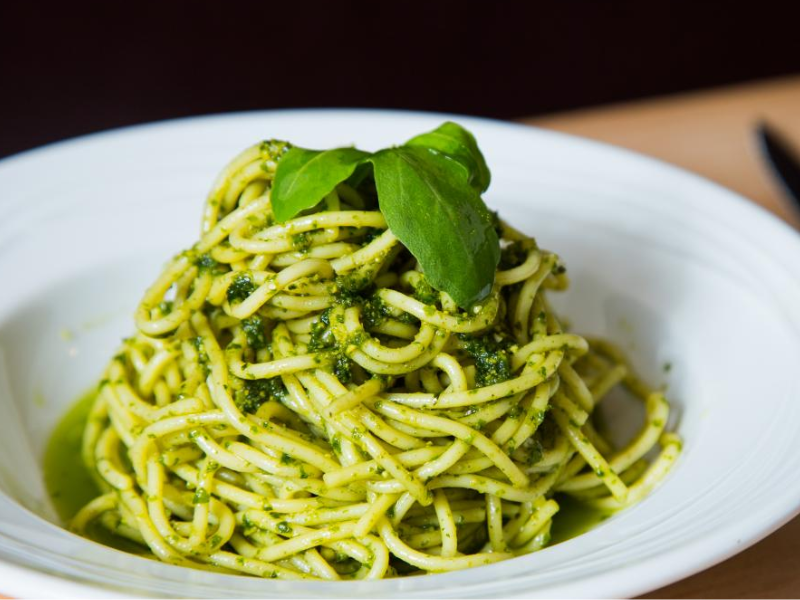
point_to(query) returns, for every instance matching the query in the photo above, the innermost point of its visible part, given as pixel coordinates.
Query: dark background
(70, 68)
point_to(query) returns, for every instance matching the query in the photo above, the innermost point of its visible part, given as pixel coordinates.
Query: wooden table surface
(711, 133)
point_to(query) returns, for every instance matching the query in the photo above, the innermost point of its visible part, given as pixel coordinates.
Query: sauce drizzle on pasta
(298, 402)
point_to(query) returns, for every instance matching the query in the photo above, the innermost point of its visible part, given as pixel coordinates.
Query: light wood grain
(711, 133)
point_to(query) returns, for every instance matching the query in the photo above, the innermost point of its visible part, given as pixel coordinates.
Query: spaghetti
(298, 402)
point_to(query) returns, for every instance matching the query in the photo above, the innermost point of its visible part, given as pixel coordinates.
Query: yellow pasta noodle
(298, 402)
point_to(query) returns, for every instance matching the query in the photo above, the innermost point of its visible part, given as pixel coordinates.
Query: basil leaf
(432, 209)
(458, 144)
(361, 173)
(304, 177)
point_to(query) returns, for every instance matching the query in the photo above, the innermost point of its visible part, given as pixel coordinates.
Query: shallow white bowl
(673, 267)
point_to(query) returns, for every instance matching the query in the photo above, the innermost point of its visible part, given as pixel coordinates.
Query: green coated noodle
(299, 403)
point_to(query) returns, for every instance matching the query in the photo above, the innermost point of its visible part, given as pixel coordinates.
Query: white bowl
(673, 267)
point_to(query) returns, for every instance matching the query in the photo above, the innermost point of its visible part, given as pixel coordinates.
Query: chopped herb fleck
(342, 368)
(254, 331)
(200, 496)
(284, 528)
(492, 361)
(257, 391)
(240, 289)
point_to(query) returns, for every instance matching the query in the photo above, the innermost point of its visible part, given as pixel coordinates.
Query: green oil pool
(573, 519)
(68, 482)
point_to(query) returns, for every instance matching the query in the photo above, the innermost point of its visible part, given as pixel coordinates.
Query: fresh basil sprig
(458, 144)
(431, 208)
(428, 191)
(304, 177)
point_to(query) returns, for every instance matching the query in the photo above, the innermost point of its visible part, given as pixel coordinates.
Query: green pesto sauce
(68, 481)
(573, 519)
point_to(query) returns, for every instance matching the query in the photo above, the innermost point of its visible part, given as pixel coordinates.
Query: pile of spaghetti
(299, 402)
